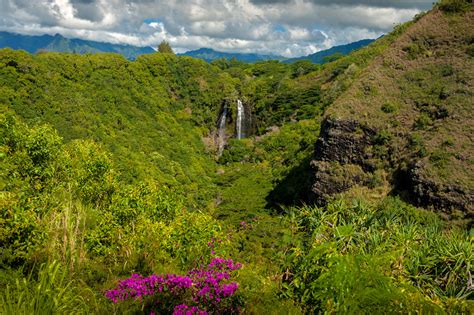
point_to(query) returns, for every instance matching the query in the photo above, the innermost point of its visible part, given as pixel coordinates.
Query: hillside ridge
(59, 43)
(410, 114)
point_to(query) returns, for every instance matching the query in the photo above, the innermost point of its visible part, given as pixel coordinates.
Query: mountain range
(59, 43)
(320, 57)
(209, 54)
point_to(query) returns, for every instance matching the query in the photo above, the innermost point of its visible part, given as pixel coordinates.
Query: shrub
(440, 157)
(423, 121)
(448, 142)
(446, 70)
(413, 50)
(454, 6)
(383, 137)
(470, 50)
(389, 107)
(416, 143)
(391, 258)
(203, 290)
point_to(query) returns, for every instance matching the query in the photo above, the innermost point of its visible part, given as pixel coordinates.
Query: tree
(165, 48)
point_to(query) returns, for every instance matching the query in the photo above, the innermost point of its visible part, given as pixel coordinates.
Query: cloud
(419, 4)
(291, 27)
(87, 10)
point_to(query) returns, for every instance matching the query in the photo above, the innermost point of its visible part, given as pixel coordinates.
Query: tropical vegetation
(114, 198)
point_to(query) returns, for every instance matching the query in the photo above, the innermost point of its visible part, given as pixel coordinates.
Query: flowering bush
(203, 290)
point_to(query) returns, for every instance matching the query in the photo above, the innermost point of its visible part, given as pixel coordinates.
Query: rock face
(426, 192)
(342, 158)
(344, 141)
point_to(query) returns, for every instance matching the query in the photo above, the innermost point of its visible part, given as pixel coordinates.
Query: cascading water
(240, 117)
(221, 131)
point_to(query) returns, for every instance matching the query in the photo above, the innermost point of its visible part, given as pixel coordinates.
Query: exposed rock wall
(426, 192)
(344, 158)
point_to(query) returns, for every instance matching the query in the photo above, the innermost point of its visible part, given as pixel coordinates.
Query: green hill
(410, 113)
(151, 114)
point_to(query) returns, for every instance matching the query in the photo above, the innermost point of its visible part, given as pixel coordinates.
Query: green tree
(165, 48)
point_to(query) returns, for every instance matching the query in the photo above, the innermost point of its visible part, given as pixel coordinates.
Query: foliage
(165, 48)
(107, 168)
(150, 114)
(333, 57)
(385, 258)
(48, 293)
(454, 6)
(67, 202)
(389, 107)
(202, 290)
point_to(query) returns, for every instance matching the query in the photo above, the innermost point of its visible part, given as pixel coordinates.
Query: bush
(423, 121)
(203, 290)
(388, 258)
(440, 157)
(383, 137)
(389, 107)
(454, 6)
(413, 50)
(416, 143)
(470, 50)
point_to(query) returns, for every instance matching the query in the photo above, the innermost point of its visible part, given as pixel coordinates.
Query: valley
(169, 184)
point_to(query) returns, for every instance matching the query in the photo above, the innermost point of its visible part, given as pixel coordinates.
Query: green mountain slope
(151, 113)
(338, 51)
(209, 55)
(410, 113)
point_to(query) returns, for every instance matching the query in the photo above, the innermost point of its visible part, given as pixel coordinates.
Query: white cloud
(289, 28)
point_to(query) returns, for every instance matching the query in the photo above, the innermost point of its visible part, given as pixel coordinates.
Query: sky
(280, 27)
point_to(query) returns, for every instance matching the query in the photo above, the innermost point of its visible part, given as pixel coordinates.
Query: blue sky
(285, 27)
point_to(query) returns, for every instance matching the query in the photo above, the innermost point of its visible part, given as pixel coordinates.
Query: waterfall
(240, 117)
(221, 130)
(222, 120)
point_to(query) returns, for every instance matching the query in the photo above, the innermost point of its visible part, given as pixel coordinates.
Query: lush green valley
(117, 198)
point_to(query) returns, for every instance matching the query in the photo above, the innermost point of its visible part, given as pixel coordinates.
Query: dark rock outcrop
(346, 142)
(342, 158)
(426, 192)
(331, 178)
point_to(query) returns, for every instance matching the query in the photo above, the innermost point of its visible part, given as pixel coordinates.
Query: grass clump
(423, 122)
(48, 292)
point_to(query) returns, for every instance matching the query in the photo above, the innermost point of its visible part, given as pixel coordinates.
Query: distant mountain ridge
(59, 43)
(319, 57)
(209, 54)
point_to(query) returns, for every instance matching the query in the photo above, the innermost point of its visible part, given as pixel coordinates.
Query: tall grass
(67, 232)
(49, 293)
